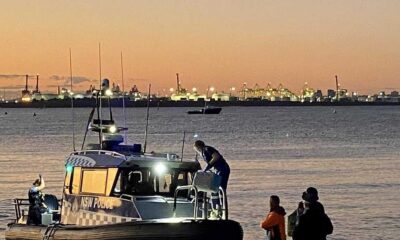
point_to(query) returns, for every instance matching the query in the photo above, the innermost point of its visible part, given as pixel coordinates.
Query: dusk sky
(217, 43)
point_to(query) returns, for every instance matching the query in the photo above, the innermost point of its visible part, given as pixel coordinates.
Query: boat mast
(72, 101)
(99, 111)
(183, 144)
(205, 100)
(123, 99)
(178, 84)
(147, 120)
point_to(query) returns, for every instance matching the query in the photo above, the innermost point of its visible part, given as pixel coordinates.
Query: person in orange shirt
(274, 223)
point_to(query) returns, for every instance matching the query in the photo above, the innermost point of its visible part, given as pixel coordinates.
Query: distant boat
(206, 110)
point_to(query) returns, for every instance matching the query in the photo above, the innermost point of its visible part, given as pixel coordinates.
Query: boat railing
(143, 198)
(223, 201)
(22, 204)
(18, 202)
(196, 200)
(99, 152)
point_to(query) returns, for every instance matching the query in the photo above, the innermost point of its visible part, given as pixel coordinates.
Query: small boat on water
(206, 110)
(117, 191)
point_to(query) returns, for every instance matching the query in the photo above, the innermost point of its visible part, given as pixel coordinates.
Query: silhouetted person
(274, 223)
(313, 224)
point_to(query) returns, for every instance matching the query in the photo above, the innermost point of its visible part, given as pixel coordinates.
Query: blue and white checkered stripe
(80, 161)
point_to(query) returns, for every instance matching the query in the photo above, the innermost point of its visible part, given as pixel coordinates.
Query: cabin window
(76, 180)
(111, 176)
(67, 181)
(94, 181)
(146, 182)
(163, 183)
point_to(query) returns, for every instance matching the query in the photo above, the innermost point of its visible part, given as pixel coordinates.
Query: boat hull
(200, 229)
(206, 111)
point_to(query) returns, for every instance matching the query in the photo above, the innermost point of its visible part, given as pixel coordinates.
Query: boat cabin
(108, 187)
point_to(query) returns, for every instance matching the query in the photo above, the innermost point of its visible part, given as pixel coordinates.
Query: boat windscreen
(149, 181)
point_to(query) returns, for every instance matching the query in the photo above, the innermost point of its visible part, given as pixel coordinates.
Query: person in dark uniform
(313, 223)
(36, 202)
(216, 162)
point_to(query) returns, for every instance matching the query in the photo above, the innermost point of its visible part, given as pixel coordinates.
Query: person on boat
(36, 202)
(274, 223)
(313, 223)
(216, 162)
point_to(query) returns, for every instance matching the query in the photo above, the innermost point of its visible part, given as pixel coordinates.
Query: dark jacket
(221, 165)
(36, 207)
(314, 224)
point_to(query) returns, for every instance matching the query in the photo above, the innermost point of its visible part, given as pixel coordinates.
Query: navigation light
(69, 168)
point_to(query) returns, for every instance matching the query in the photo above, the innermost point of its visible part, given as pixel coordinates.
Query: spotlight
(108, 92)
(112, 129)
(160, 168)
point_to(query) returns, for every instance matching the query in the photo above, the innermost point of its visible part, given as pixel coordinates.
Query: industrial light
(112, 129)
(25, 99)
(160, 168)
(108, 92)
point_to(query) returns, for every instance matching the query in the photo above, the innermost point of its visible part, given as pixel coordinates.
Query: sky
(209, 43)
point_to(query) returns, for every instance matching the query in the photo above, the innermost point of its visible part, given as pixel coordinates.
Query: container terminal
(182, 97)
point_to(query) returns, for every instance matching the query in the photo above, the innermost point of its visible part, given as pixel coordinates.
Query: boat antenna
(123, 98)
(99, 111)
(205, 101)
(147, 119)
(72, 100)
(87, 125)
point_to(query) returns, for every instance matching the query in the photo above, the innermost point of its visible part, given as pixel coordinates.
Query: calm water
(350, 156)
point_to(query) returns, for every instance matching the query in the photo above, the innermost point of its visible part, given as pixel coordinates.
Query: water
(350, 156)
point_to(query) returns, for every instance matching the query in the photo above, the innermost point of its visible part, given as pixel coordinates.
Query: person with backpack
(313, 223)
(36, 202)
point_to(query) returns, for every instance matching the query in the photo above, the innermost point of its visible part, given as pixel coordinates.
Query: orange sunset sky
(218, 43)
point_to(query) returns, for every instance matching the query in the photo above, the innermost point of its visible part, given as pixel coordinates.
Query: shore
(82, 103)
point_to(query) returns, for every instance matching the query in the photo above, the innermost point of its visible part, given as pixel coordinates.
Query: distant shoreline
(88, 103)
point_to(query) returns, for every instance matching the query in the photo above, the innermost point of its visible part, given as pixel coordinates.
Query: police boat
(116, 191)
